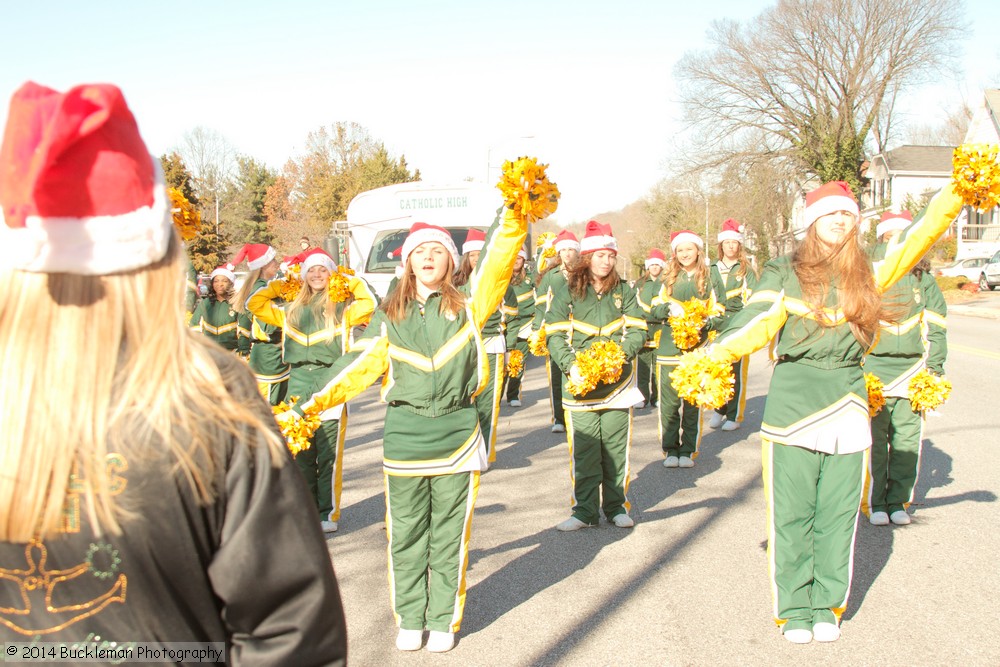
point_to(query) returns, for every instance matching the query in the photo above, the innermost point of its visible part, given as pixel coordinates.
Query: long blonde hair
(322, 310)
(239, 300)
(102, 365)
(701, 273)
(817, 266)
(742, 260)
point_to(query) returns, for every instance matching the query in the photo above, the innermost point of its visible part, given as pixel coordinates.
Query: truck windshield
(383, 257)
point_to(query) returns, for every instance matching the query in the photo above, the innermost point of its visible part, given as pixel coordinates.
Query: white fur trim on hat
(263, 260)
(827, 205)
(317, 259)
(97, 245)
(567, 244)
(730, 235)
(686, 237)
(224, 271)
(655, 261)
(473, 246)
(891, 224)
(595, 243)
(427, 235)
(523, 254)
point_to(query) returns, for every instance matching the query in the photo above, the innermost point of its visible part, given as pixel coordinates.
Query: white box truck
(379, 220)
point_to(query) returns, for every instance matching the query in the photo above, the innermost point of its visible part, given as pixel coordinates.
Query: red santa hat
(566, 240)
(421, 233)
(224, 270)
(597, 237)
(732, 230)
(79, 191)
(656, 257)
(314, 257)
(474, 240)
(828, 198)
(257, 255)
(891, 221)
(685, 236)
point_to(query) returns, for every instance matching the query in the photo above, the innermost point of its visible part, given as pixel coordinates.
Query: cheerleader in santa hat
(265, 339)
(917, 342)
(688, 277)
(146, 490)
(216, 315)
(646, 289)
(316, 331)
(555, 273)
(738, 276)
(594, 306)
(494, 334)
(823, 302)
(425, 338)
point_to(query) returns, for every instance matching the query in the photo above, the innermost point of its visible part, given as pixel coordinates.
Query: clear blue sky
(452, 85)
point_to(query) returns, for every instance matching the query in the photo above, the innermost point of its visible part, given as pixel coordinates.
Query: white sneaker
(623, 521)
(879, 519)
(716, 420)
(571, 524)
(799, 636)
(409, 640)
(440, 642)
(900, 518)
(558, 428)
(515, 403)
(826, 632)
(685, 462)
(640, 405)
(329, 526)
(730, 425)
(671, 462)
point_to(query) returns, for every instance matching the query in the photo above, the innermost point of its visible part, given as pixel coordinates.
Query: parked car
(969, 267)
(989, 277)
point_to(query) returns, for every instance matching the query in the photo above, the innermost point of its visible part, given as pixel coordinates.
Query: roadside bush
(951, 282)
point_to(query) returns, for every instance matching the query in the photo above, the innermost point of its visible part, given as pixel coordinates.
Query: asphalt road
(689, 585)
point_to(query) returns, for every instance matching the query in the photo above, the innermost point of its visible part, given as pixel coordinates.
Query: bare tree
(949, 132)
(210, 157)
(806, 81)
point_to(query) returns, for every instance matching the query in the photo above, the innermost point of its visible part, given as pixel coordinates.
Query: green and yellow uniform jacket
(684, 289)
(543, 295)
(435, 365)
(644, 295)
(218, 321)
(265, 347)
(495, 330)
(737, 290)
(519, 326)
(918, 340)
(310, 348)
(574, 325)
(817, 398)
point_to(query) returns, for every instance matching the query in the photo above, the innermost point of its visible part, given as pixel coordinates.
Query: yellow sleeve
(261, 304)
(757, 323)
(496, 263)
(903, 252)
(361, 309)
(354, 372)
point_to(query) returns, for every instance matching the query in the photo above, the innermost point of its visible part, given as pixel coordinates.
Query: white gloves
(575, 375)
(676, 309)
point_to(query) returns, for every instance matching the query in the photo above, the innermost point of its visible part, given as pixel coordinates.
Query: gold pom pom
(187, 219)
(928, 391)
(298, 432)
(543, 238)
(976, 175)
(515, 363)
(340, 287)
(876, 399)
(536, 343)
(290, 284)
(527, 190)
(703, 381)
(686, 328)
(601, 363)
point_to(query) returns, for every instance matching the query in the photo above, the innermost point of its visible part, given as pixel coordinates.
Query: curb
(974, 311)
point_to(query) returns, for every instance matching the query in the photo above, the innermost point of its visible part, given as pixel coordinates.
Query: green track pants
(897, 437)
(599, 443)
